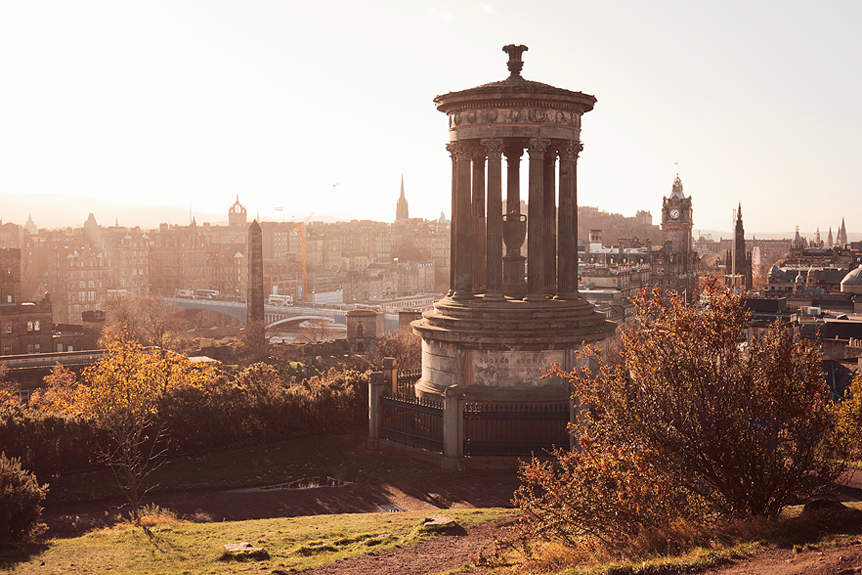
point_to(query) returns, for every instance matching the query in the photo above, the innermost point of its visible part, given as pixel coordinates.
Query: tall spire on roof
(841, 240)
(401, 210)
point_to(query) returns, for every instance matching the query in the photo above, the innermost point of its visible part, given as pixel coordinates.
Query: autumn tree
(121, 392)
(58, 391)
(693, 422)
(850, 417)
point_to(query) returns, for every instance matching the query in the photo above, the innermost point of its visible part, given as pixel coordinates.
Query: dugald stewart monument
(494, 332)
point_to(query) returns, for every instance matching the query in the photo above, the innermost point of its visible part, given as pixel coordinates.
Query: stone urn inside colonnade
(506, 316)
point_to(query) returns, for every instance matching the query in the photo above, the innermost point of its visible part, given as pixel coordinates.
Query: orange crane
(303, 252)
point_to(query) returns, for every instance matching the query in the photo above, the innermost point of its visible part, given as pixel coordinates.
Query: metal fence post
(375, 390)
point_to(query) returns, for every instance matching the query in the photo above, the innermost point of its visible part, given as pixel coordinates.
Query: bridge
(274, 315)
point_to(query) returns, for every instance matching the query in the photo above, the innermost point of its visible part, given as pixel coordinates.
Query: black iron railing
(408, 419)
(515, 429)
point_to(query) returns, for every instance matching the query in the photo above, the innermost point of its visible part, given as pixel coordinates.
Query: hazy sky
(188, 103)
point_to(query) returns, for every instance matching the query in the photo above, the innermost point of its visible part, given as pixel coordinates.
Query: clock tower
(674, 267)
(676, 218)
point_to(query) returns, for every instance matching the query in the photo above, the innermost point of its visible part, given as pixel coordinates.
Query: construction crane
(302, 245)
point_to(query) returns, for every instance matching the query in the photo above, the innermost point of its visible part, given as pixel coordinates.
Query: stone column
(494, 247)
(536, 221)
(462, 261)
(567, 278)
(514, 150)
(453, 244)
(477, 241)
(550, 212)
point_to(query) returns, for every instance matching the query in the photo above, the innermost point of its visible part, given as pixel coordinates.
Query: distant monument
(494, 333)
(255, 273)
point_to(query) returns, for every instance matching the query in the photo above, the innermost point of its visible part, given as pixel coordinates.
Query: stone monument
(494, 332)
(255, 273)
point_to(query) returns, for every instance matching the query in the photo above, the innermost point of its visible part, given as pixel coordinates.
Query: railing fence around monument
(515, 429)
(413, 421)
(474, 429)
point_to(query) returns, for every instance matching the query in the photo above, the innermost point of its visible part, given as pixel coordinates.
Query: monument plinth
(494, 331)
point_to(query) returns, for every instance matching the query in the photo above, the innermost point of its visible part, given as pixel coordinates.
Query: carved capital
(537, 147)
(460, 150)
(569, 150)
(493, 148)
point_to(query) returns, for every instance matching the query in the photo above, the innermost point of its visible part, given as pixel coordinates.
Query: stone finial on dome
(515, 62)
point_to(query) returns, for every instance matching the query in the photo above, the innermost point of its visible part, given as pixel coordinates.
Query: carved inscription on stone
(512, 368)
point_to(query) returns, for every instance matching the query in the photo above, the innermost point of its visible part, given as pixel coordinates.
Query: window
(30, 348)
(59, 347)
(29, 326)
(82, 284)
(9, 327)
(8, 299)
(7, 350)
(37, 348)
(36, 326)
(92, 284)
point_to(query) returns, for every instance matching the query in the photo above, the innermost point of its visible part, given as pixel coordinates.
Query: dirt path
(441, 553)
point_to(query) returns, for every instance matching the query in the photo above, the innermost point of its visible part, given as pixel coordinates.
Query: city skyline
(189, 104)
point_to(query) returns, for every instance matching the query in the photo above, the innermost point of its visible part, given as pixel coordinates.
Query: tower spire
(401, 211)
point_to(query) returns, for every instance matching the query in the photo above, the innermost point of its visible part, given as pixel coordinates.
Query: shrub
(691, 425)
(49, 443)
(20, 501)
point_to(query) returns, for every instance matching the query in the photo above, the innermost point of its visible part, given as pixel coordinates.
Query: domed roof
(775, 271)
(513, 88)
(853, 278)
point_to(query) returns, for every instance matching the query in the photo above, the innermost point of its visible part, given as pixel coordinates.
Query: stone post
(453, 428)
(375, 390)
(536, 221)
(390, 374)
(494, 247)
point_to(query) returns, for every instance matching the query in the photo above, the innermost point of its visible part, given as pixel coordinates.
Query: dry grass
(684, 545)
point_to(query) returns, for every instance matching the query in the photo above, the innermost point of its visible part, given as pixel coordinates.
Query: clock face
(674, 213)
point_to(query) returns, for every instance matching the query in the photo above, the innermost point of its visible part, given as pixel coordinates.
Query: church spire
(401, 211)
(841, 239)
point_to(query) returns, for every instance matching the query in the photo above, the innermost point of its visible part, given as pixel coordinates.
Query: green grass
(343, 457)
(193, 548)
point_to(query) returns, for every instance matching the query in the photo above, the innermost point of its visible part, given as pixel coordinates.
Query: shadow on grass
(12, 554)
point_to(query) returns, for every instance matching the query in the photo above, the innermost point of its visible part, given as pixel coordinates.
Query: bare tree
(148, 320)
(133, 451)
